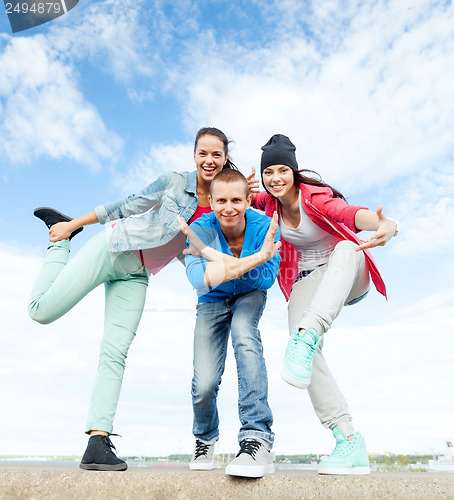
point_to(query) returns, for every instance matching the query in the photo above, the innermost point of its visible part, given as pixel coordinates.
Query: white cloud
(110, 33)
(374, 108)
(160, 159)
(437, 308)
(44, 114)
(424, 206)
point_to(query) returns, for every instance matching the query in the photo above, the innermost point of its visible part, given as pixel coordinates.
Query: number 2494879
(34, 8)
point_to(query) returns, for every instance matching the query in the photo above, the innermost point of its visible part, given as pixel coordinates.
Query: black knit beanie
(279, 150)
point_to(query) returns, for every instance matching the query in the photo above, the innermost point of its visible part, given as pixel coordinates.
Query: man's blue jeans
(240, 316)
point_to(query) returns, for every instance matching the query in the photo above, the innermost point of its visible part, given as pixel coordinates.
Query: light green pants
(60, 285)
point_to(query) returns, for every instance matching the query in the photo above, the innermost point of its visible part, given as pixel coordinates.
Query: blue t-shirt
(209, 231)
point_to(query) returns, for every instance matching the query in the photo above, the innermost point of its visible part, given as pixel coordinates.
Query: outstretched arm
(384, 227)
(62, 230)
(222, 267)
(198, 247)
(218, 272)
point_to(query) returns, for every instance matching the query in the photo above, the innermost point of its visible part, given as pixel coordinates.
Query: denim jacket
(148, 219)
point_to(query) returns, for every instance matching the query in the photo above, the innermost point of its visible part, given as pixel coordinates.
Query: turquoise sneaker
(348, 457)
(301, 347)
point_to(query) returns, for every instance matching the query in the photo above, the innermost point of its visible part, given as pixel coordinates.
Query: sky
(98, 103)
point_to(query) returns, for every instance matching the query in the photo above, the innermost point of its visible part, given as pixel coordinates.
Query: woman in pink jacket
(324, 266)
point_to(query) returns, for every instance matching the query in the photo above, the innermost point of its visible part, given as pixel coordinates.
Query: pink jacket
(333, 215)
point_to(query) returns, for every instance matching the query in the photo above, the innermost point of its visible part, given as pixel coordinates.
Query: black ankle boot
(99, 455)
(50, 216)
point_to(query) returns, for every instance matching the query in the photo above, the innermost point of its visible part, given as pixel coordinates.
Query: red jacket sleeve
(335, 208)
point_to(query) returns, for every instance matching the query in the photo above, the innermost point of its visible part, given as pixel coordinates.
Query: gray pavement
(41, 482)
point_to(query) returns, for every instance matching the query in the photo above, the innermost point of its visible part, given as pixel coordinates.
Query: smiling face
(209, 157)
(278, 180)
(229, 202)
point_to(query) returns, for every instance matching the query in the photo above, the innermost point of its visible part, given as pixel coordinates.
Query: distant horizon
(233, 452)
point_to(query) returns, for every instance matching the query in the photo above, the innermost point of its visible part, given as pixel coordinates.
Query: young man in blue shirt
(231, 261)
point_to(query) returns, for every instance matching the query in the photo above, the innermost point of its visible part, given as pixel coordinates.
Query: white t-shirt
(312, 243)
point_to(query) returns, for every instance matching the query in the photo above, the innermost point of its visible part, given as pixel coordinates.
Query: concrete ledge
(31, 482)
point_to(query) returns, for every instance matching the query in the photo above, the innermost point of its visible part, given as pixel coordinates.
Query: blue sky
(96, 104)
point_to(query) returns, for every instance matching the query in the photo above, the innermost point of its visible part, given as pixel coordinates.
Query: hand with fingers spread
(387, 228)
(253, 183)
(269, 248)
(196, 245)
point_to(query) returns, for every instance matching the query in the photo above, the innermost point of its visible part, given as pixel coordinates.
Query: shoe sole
(360, 471)
(39, 209)
(104, 467)
(293, 381)
(249, 471)
(68, 219)
(209, 466)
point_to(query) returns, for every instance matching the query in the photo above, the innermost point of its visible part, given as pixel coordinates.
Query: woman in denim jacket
(142, 235)
(324, 266)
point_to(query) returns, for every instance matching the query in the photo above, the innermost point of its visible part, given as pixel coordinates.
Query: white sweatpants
(316, 301)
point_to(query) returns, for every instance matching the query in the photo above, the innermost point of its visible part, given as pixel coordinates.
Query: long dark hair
(221, 136)
(315, 179)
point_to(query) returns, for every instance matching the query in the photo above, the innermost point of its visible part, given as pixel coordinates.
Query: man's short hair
(230, 175)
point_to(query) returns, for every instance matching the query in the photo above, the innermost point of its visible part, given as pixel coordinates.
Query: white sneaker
(202, 459)
(253, 460)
